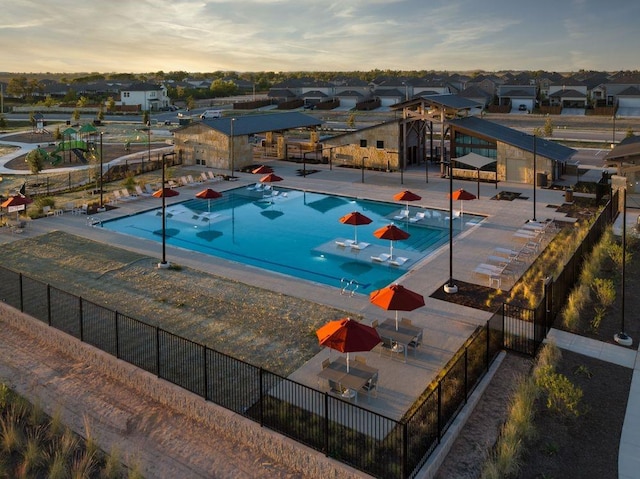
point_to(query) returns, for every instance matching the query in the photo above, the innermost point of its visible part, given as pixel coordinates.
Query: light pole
(406, 91)
(450, 287)
(534, 177)
(623, 338)
(231, 152)
(613, 135)
(101, 204)
(362, 166)
(148, 143)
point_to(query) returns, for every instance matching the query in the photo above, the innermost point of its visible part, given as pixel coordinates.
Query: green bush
(605, 291)
(562, 395)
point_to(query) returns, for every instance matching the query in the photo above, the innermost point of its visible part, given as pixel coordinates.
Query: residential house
(149, 96)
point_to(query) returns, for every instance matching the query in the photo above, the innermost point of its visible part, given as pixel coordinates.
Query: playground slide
(79, 154)
(73, 145)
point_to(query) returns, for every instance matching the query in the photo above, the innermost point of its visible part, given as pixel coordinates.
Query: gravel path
(162, 442)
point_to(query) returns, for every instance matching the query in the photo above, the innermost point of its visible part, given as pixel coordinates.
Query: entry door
(516, 172)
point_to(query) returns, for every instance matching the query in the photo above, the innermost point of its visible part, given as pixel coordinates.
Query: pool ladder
(349, 286)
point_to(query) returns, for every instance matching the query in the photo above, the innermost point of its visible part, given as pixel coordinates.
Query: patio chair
(344, 393)
(344, 243)
(417, 217)
(415, 343)
(381, 258)
(371, 387)
(404, 214)
(390, 345)
(398, 260)
(148, 188)
(190, 179)
(360, 245)
(140, 191)
(406, 321)
(203, 177)
(361, 359)
(374, 323)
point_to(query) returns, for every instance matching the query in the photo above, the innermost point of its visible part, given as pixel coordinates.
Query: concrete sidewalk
(629, 450)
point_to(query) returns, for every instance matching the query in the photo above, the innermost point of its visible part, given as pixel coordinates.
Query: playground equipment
(78, 147)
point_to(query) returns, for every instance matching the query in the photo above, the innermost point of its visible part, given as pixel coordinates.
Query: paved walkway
(629, 450)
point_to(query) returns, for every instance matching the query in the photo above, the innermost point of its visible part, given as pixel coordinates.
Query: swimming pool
(295, 233)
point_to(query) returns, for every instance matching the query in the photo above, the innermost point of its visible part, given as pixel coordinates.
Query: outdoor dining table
(359, 374)
(403, 335)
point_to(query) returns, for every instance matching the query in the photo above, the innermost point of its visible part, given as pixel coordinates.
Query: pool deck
(446, 325)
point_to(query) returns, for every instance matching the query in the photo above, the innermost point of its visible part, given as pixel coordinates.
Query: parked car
(522, 108)
(211, 114)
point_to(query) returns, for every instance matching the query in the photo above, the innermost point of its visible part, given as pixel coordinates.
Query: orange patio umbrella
(392, 233)
(396, 298)
(462, 195)
(16, 202)
(406, 196)
(356, 219)
(208, 194)
(348, 336)
(262, 170)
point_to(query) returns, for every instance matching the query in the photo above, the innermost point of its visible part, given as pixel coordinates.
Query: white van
(211, 114)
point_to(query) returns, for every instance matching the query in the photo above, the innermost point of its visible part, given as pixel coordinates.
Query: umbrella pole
(347, 362)
(355, 234)
(396, 319)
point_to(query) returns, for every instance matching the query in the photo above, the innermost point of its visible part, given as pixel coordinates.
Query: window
(380, 144)
(126, 94)
(363, 143)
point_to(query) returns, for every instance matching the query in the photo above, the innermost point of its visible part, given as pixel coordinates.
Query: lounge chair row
(422, 215)
(387, 258)
(352, 244)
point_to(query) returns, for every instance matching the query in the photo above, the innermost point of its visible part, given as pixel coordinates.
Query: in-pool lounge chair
(381, 258)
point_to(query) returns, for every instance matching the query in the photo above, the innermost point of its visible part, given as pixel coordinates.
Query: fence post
(504, 320)
(117, 337)
(439, 410)
(466, 374)
(48, 304)
(205, 372)
(20, 288)
(80, 314)
(261, 398)
(405, 450)
(326, 424)
(158, 352)
(487, 345)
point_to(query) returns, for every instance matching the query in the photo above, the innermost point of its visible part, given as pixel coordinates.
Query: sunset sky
(284, 35)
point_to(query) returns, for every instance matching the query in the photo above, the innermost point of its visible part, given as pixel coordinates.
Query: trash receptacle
(541, 180)
(568, 195)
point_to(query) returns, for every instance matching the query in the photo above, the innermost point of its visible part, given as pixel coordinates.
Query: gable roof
(524, 141)
(568, 93)
(627, 148)
(252, 124)
(630, 91)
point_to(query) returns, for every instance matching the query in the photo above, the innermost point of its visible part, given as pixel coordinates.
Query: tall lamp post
(535, 174)
(101, 204)
(148, 143)
(362, 166)
(231, 152)
(451, 287)
(163, 192)
(623, 338)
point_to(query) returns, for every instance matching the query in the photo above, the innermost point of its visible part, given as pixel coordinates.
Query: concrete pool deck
(446, 325)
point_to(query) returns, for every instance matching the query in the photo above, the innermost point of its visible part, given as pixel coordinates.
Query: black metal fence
(525, 329)
(378, 445)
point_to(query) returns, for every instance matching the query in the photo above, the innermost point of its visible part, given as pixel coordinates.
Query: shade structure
(16, 201)
(462, 195)
(392, 233)
(348, 336)
(356, 219)
(208, 194)
(406, 196)
(262, 170)
(396, 298)
(165, 193)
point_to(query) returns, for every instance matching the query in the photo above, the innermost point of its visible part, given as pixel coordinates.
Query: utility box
(568, 195)
(541, 180)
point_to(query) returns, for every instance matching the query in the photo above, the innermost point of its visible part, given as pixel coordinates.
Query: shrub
(562, 395)
(575, 303)
(605, 291)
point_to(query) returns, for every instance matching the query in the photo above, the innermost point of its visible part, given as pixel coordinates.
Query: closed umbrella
(356, 219)
(348, 336)
(406, 196)
(396, 298)
(392, 233)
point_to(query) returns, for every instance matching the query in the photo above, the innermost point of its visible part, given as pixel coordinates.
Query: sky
(141, 36)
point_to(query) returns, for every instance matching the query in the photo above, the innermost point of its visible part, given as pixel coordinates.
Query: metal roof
(453, 102)
(252, 124)
(524, 141)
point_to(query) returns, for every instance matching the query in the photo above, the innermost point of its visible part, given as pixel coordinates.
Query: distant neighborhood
(587, 92)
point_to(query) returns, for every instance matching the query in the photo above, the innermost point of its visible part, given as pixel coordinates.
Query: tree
(82, 102)
(3, 121)
(548, 127)
(101, 113)
(76, 114)
(17, 87)
(351, 121)
(629, 133)
(35, 160)
(111, 104)
(191, 103)
(145, 117)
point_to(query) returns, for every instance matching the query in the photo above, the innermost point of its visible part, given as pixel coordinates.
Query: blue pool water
(295, 234)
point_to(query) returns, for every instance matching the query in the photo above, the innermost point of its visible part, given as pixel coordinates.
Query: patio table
(403, 335)
(355, 379)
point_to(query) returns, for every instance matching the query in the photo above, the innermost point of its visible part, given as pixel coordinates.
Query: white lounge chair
(381, 258)
(360, 245)
(344, 243)
(256, 187)
(417, 217)
(140, 191)
(398, 260)
(404, 214)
